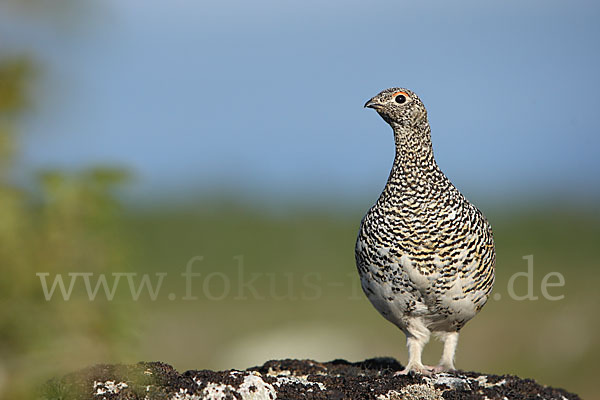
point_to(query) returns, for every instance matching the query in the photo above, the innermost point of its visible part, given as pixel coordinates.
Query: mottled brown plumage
(424, 253)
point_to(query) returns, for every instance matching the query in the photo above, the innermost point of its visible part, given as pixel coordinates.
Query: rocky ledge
(291, 379)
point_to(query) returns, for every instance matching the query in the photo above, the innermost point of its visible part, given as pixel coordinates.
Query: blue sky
(266, 97)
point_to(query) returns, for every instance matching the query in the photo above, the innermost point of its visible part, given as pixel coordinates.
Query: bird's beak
(373, 104)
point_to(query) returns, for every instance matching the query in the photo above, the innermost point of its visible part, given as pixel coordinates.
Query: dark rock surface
(291, 379)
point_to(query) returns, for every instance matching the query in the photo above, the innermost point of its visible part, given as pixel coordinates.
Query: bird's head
(398, 107)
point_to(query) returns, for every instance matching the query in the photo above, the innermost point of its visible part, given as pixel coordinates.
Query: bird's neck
(414, 163)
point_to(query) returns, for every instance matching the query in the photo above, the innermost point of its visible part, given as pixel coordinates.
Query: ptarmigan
(424, 253)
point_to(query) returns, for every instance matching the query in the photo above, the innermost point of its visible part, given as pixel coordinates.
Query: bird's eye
(400, 99)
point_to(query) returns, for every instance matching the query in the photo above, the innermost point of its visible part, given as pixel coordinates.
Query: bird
(424, 253)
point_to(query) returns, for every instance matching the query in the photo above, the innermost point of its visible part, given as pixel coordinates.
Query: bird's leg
(415, 349)
(416, 339)
(447, 361)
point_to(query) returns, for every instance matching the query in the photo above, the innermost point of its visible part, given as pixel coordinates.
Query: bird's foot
(418, 369)
(441, 368)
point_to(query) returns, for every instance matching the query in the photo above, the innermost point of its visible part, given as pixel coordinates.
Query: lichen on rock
(291, 379)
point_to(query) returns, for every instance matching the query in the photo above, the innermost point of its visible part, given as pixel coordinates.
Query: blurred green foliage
(68, 223)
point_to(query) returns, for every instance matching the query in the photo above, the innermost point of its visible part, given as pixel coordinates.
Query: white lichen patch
(216, 391)
(300, 379)
(184, 395)
(462, 382)
(255, 388)
(413, 392)
(274, 373)
(108, 387)
(482, 380)
(450, 381)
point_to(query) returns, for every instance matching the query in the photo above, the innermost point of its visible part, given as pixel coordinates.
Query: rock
(291, 379)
